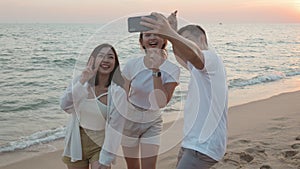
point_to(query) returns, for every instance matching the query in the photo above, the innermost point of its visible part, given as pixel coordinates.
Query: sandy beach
(263, 134)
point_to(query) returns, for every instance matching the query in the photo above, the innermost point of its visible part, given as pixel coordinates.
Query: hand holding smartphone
(135, 26)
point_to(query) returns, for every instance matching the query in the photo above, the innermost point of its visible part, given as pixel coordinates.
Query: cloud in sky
(94, 11)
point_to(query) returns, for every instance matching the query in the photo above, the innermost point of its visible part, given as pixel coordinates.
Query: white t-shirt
(205, 111)
(142, 81)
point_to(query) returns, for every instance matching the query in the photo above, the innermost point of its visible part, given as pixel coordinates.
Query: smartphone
(135, 26)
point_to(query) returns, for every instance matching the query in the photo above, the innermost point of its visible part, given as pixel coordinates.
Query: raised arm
(77, 89)
(184, 48)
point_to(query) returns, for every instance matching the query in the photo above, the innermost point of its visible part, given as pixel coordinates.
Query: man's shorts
(191, 159)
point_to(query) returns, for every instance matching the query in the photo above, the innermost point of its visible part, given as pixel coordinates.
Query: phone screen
(135, 26)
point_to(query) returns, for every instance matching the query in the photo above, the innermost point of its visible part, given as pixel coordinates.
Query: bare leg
(132, 157)
(149, 156)
(96, 165)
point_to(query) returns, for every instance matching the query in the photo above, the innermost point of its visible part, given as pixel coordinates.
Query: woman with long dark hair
(96, 101)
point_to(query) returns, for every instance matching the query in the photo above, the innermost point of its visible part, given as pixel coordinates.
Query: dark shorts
(191, 159)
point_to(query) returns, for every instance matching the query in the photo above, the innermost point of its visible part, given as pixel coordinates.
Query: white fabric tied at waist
(141, 115)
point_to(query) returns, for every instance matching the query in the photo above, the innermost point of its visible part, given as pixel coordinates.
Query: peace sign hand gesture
(89, 72)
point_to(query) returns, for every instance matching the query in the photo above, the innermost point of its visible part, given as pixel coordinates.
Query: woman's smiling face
(150, 40)
(105, 60)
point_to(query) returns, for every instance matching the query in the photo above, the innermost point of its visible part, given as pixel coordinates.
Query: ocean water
(38, 61)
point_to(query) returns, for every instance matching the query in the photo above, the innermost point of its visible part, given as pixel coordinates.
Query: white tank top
(93, 113)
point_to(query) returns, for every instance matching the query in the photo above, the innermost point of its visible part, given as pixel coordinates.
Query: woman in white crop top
(150, 81)
(97, 104)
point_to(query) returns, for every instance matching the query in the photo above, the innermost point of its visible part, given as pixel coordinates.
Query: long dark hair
(115, 75)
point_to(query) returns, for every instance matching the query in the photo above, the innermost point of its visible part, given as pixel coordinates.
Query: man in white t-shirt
(205, 111)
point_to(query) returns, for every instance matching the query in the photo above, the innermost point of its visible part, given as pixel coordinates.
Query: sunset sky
(96, 11)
